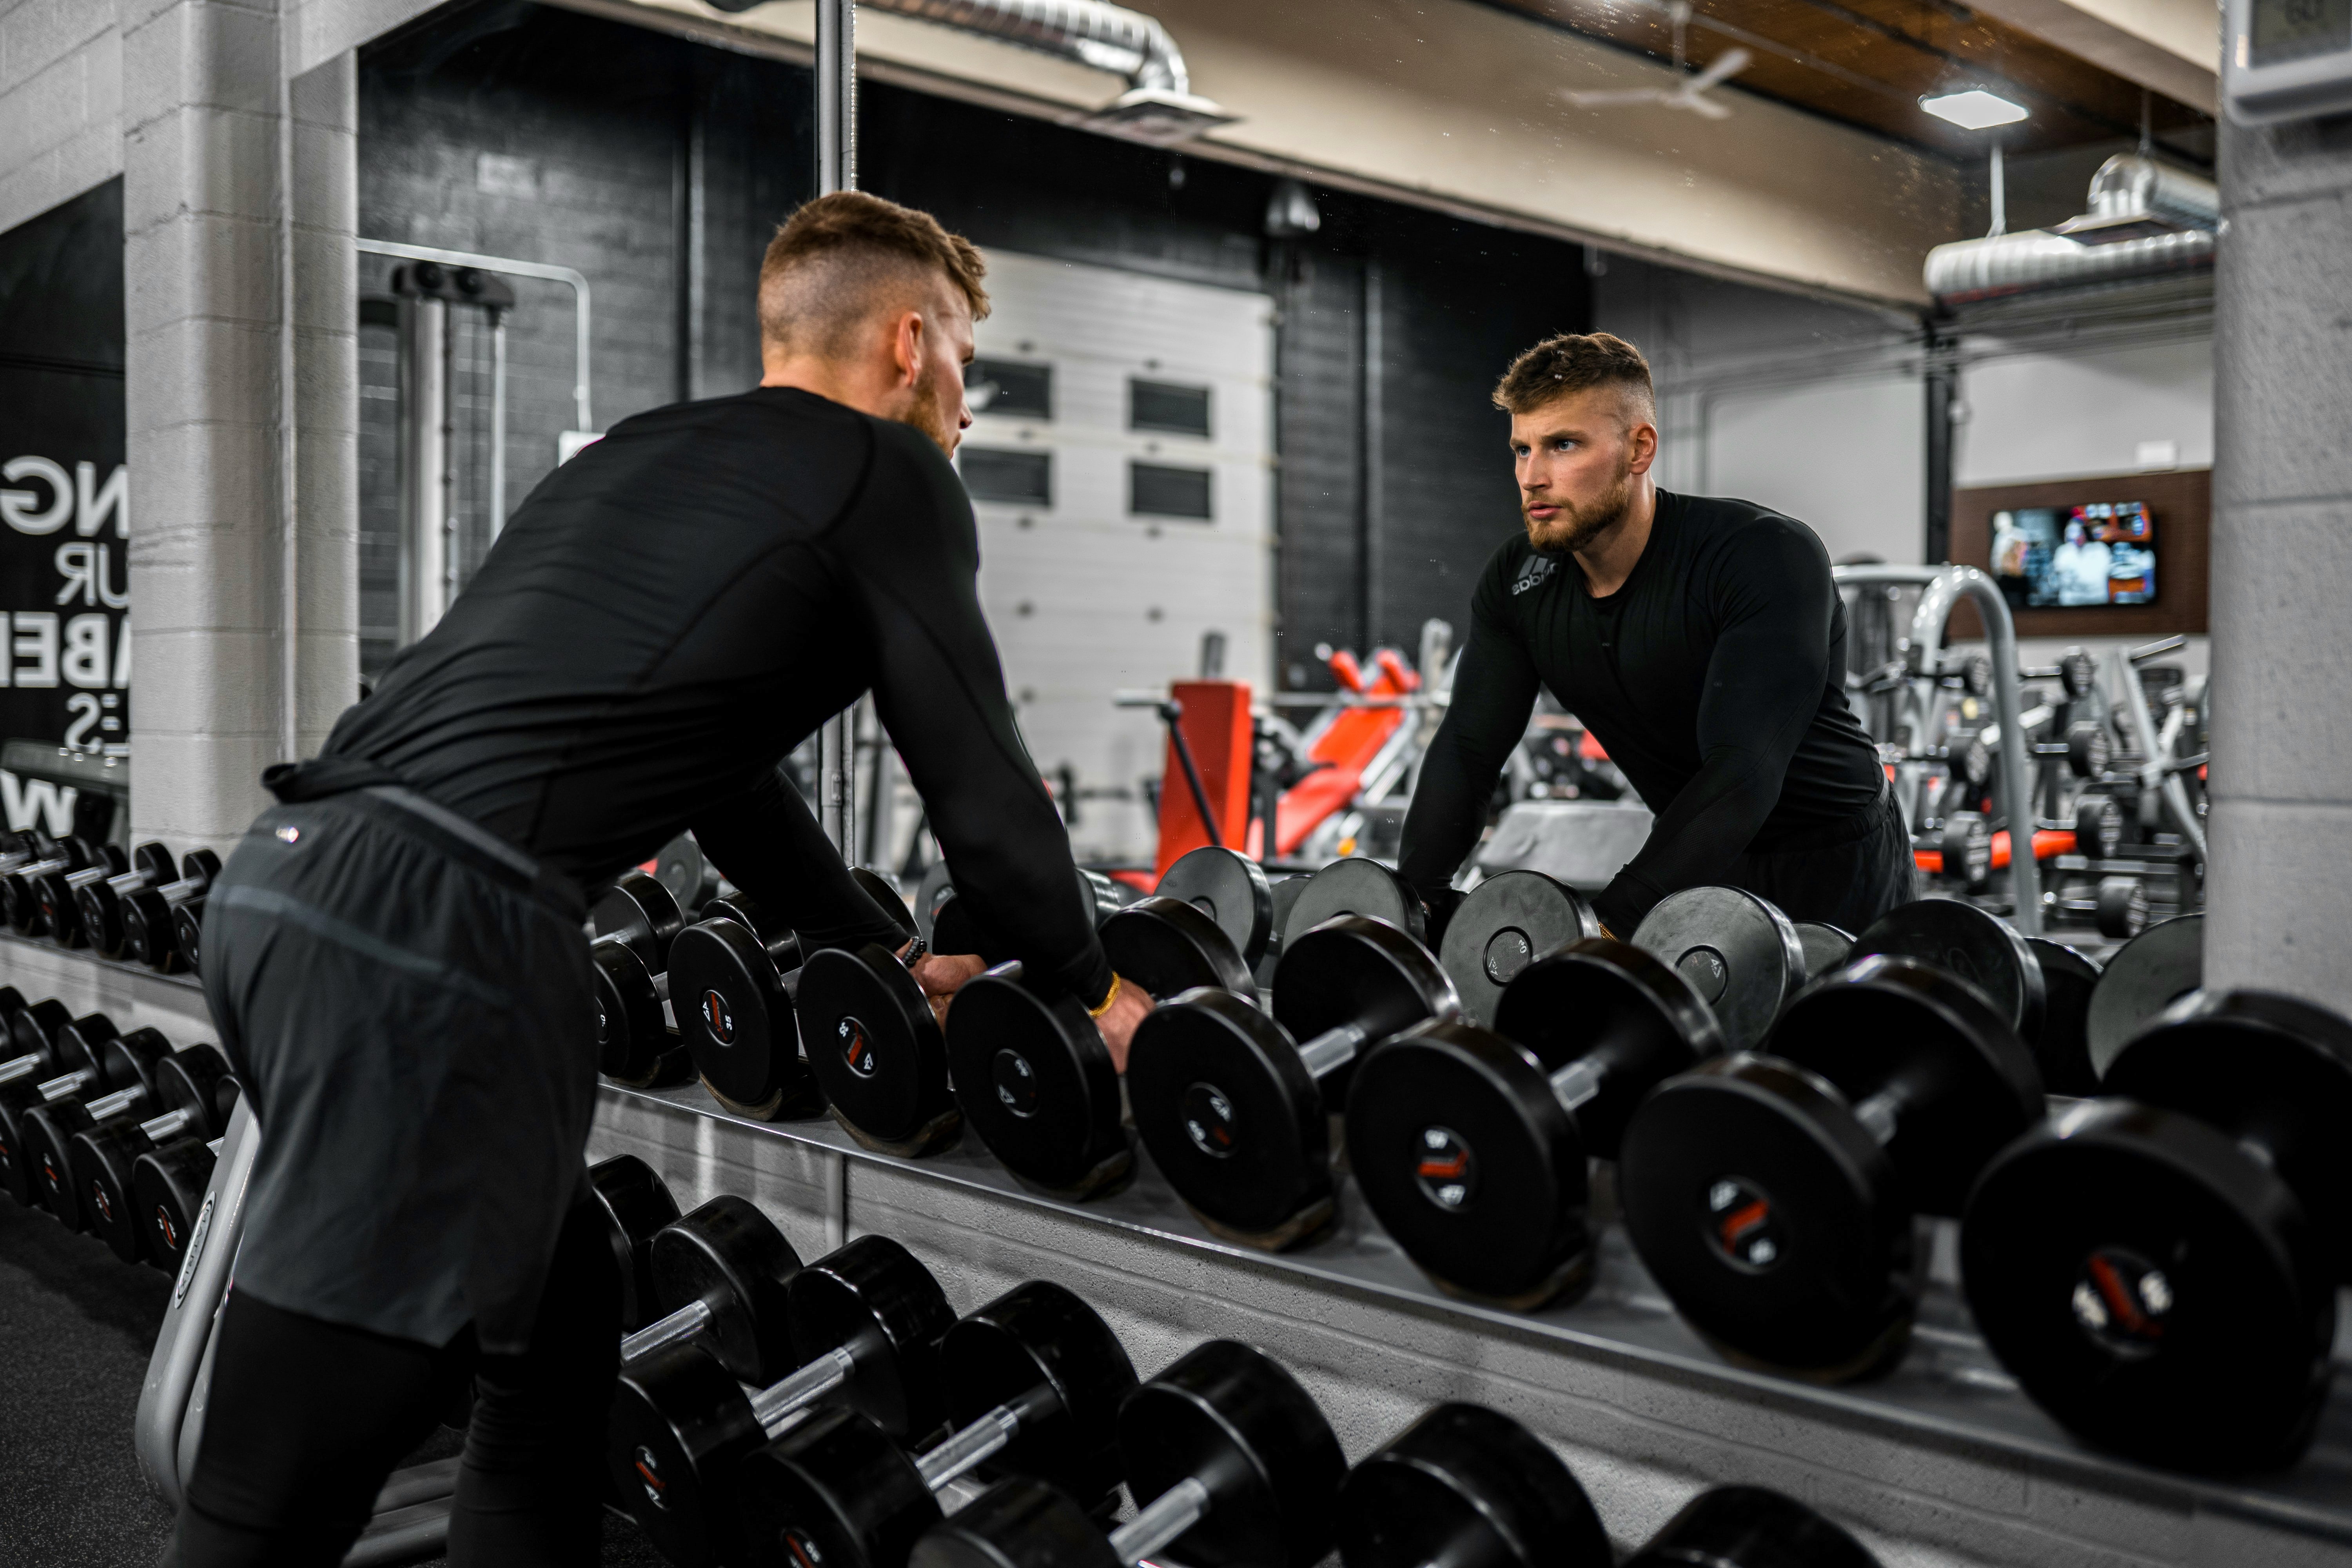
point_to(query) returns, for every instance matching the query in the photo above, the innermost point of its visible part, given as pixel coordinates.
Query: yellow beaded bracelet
(1109, 998)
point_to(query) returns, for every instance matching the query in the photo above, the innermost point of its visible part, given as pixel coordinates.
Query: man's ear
(1643, 440)
(907, 348)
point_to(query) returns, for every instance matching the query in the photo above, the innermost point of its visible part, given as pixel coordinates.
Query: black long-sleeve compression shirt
(1715, 678)
(676, 608)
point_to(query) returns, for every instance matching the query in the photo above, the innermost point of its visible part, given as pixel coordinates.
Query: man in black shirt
(1701, 641)
(394, 954)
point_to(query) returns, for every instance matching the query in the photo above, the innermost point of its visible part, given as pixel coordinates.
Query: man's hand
(941, 975)
(1128, 1010)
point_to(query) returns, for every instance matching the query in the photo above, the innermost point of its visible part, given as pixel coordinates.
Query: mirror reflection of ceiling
(1866, 63)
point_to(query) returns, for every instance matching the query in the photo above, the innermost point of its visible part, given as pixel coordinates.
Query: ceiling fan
(1689, 93)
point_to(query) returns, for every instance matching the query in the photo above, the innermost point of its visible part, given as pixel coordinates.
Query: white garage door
(1120, 463)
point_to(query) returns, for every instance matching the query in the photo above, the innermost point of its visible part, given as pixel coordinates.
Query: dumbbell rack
(1943, 1462)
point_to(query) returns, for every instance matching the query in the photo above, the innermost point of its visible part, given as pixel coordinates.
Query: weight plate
(1471, 1162)
(632, 1031)
(734, 1015)
(1231, 888)
(2098, 826)
(874, 1297)
(1355, 886)
(1285, 899)
(100, 1161)
(188, 932)
(1740, 954)
(1041, 1336)
(1167, 946)
(2143, 977)
(678, 1427)
(1012, 1523)
(1229, 1111)
(636, 1203)
(2122, 908)
(1033, 1078)
(2062, 1049)
(881, 890)
(1470, 1488)
(2154, 1288)
(1768, 1215)
(934, 889)
(2077, 673)
(1892, 1024)
(836, 1490)
(1230, 1410)
(686, 873)
(1504, 924)
(872, 1042)
(2089, 750)
(730, 1256)
(168, 1187)
(1748, 1527)
(1826, 946)
(1964, 941)
(1968, 850)
(1623, 1008)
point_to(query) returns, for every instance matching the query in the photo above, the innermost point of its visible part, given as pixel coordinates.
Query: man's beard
(930, 413)
(1577, 527)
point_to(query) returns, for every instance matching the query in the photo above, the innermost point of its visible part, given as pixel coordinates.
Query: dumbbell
(1749, 1527)
(20, 900)
(1235, 1106)
(187, 1099)
(168, 1186)
(721, 1274)
(866, 1316)
(2098, 825)
(1030, 1069)
(687, 872)
(98, 899)
(76, 1053)
(1034, 1382)
(956, 928)
(2089, 750)
(2160, 1268)
(1773, 1196)
(2139, 981)
(35, 1029)
(2062, 1049)
(1501, 926)
(1469, 1488)
(59, 893)
(1231, 888)
(1965, 941)
(733, 978)
(1472, 1144)
(1357, 886)
(1826, 947)
(150, 926)
(1965, 841)
(1739, 953)
(129, 1089)
(1228, 1459)
(636, 1203)
(636, 920)
(1285, 899)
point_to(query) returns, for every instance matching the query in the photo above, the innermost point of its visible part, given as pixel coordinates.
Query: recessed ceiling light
(1974, 110)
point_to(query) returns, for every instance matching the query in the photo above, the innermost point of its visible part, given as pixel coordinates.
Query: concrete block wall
(2281, 825)
(60, 102)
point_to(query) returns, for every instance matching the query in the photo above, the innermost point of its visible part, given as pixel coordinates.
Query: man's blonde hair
(1577, 361)
(840, 258)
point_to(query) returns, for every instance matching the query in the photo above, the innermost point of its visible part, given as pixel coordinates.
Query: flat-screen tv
(2067, 557)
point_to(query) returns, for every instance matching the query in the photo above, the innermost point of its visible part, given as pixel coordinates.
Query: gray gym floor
(76, 1326)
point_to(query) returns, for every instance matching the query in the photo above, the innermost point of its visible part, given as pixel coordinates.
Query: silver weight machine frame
(412, 1511)
(1940, 589)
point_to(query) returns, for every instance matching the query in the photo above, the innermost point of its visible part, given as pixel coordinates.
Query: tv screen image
(2051, 558)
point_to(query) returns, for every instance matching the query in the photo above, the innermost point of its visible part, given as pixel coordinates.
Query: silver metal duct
(2146, 219)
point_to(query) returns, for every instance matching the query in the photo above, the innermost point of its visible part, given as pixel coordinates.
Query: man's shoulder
(1732, 529)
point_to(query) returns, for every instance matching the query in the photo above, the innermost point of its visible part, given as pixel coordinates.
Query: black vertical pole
(1941, 378)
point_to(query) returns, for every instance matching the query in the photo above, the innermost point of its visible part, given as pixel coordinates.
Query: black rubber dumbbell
(867, 1319)
(1034, 1381)
(1469, 1488)
(34, 1031)
(1031, 1070)
(2063, 1049)
(1773, 1196)
(20, 901)
(186, 1101)
(735, 977)
(99, 899)
(1356, 887)
(636, 1203)
(1228, 1459)
(151, 929)
(170, 1188)
(1749, 1527)
(1826, 947)
(956, 927)
(1471, 1145)
(2160, 1268)
(636, 920)
(1229, 888)
(721, 1275)
(130, 1091)
(1739, 953)
(2139, 980)
(75, 1052)
(1964, 941)
(1501, 926)
(1235, 1106)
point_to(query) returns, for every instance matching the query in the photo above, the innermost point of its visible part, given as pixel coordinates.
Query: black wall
(661, 168)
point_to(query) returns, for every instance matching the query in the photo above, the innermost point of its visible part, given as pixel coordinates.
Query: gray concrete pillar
(2280, 899)
(227, 345)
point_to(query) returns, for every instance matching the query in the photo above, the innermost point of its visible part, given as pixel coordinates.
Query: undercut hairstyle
(843, 257)
(1578, 361)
